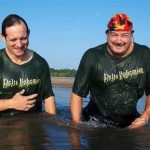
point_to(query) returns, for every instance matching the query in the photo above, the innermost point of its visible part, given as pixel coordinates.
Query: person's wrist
(144, 120)
(76, 121)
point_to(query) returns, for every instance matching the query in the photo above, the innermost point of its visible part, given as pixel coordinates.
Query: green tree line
(62, 72)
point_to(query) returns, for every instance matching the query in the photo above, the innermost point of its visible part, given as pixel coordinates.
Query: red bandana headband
(120, 22)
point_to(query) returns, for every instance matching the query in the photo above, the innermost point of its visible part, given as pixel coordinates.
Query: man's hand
(23, 103)
(137, 123)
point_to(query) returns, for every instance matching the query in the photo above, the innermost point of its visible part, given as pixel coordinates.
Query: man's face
(119, 43)
(16, 39)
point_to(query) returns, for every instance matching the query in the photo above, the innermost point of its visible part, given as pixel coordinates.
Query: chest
(15, 76)
(108, 71)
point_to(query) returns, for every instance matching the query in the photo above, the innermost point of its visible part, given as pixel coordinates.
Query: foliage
(62, 72)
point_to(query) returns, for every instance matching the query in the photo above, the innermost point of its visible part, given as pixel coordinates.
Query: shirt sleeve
(46, 82)
(81, 84)
(147, 87)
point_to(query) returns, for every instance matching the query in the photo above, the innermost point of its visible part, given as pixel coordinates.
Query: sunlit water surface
(42, 132)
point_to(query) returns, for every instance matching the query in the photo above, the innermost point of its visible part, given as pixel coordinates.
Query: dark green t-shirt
(32, 76)
(115, 85)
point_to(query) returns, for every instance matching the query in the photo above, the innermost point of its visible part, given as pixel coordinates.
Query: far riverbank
(62, 81)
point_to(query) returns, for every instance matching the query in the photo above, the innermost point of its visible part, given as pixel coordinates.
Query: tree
(63, 72)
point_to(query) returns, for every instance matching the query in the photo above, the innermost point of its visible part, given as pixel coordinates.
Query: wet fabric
(91, 112)
(32, 76)
(114, 85)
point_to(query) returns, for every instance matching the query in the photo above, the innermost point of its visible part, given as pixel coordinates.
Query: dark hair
(11, 20)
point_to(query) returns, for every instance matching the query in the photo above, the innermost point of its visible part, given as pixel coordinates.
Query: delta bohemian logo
(122, 75)
(20, 83)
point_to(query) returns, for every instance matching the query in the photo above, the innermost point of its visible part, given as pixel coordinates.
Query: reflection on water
(43, 132)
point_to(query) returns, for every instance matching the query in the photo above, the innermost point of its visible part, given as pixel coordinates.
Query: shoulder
(142, 48)
(3, 55)
(2, 51)
(39, 59)
(98, 50)
(142, 51)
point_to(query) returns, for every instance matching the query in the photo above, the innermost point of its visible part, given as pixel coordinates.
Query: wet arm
(143, 119)
(146, 113)
(76, 108)
(5, 104)
(18, 102)
(50, 105)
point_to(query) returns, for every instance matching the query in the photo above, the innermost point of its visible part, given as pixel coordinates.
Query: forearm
(50, 105)
(76, 107)
(146, 112)
(143, 119)
(5, 104)
(18, 102)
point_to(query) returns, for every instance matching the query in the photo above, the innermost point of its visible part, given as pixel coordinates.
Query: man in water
(24, 75)
(116, 74)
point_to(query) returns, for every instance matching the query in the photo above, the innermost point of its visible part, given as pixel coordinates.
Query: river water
(42, 132)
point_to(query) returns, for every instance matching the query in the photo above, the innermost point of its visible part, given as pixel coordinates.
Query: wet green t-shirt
(114, 84)
(32, 76)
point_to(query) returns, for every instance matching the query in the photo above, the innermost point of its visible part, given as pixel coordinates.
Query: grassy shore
(62, 81)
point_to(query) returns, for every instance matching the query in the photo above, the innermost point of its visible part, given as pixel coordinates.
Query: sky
(62, 30)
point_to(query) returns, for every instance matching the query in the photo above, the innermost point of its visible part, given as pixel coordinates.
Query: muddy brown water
(42, 132)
